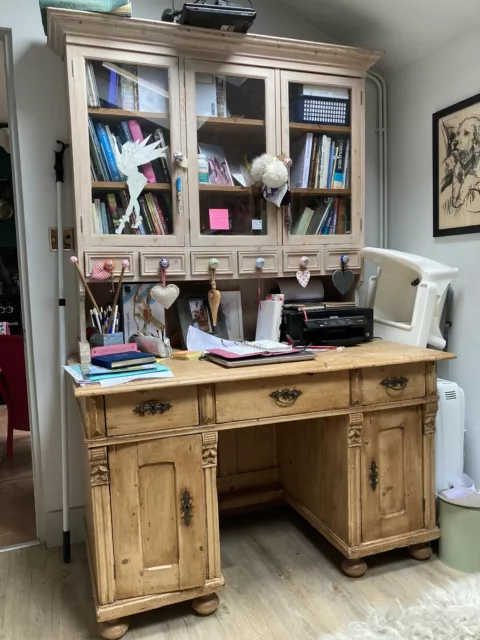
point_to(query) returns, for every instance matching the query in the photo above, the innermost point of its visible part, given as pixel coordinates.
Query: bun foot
(420, 551)
(206, 605)
(113, 629)
(354, 568)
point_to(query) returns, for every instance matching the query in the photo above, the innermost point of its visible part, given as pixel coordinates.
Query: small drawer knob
(260, 263)
(152, 408)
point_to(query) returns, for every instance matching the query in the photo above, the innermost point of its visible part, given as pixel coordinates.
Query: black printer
(324, 324)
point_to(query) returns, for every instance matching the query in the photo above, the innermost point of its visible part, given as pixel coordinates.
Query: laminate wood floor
(283, 583)
(17, 503)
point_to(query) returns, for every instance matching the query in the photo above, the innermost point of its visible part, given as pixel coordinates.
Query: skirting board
(54, 527)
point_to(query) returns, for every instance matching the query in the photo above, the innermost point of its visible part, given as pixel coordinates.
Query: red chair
(13, 385)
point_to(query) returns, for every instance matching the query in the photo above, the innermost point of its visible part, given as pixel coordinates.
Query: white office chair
(407, 296)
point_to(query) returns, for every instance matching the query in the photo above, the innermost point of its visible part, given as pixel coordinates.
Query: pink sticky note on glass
(219, 219)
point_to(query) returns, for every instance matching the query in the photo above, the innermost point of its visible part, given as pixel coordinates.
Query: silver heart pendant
(343, 280)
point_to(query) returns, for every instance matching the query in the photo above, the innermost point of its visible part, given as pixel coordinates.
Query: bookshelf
(221, 112)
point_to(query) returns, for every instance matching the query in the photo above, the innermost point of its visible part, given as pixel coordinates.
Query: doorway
(18, 524)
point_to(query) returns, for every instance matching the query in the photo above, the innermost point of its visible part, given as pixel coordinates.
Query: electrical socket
(68, 239)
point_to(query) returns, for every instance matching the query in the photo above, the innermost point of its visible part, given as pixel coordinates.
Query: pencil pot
(106, 339)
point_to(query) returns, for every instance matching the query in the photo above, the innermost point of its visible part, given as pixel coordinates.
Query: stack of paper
(108, 378)
(200, 341)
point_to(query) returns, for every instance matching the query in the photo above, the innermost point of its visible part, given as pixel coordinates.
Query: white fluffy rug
(450, 614)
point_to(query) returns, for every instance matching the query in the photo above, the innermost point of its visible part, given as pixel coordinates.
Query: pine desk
(352, 436)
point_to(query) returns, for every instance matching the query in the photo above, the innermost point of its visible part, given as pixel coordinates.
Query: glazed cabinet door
(392, 473)
(322, 130)
(230, 121)
(126, 121)
(158, 516)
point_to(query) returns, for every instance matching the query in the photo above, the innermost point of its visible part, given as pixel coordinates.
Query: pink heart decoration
(100, 273)
(303, 277)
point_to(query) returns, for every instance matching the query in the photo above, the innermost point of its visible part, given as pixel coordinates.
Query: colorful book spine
(137, 135)
(96, 153)
(112, 88)
(108, 152)
(127, 93)
(340, 166)
(331, 165)
(326, 213)
(347, 166)
(165, 204)
(161, 217)
(313, 163)
(153, 214)
(307, 160)
(333, 223)
(148, 224)
(327, 141)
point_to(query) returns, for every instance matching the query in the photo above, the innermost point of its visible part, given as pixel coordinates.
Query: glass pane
(320, 150)
(130, 163)
(230, 133)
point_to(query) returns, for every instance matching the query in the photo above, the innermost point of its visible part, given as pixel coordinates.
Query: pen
(179, 196)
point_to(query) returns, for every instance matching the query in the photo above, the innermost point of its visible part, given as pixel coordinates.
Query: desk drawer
(286, 396)
(388, 384)
(142, 411)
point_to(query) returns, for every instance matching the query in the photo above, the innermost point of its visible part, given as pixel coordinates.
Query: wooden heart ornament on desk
(165, 296)
(343, 280)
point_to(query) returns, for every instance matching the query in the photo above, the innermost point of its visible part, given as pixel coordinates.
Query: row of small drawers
(146, 411)
(230, 263)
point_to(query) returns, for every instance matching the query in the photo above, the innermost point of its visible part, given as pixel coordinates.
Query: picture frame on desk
(456, 177)
(194, 311)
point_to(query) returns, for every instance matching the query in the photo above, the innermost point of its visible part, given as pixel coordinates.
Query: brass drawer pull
(151, 408)
(286, 397)
(186, 507)
(373, 475)
(395, 383)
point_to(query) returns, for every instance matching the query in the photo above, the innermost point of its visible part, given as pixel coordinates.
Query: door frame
(6, 41)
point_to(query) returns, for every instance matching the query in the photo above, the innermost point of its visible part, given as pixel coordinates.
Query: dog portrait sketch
(457, 168)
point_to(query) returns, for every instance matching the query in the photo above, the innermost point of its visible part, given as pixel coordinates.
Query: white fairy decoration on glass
(129, 159)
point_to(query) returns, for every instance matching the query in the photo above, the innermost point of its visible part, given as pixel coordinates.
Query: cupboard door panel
(158, 513)
(392, 471)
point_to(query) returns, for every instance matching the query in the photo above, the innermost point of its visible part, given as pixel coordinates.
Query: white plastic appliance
(450, 434)
(407, 297)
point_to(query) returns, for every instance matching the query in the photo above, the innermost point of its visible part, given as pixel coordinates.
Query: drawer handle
(373, 475)
(286, 397)
(186, 507)
(151, 408)
(395, 383)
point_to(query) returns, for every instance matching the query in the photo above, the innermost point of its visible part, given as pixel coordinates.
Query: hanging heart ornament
(343, 279)
(165, 296)
(303, 274)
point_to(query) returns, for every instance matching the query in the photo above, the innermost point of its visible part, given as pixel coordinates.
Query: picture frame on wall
(195, 312)
(456, 168)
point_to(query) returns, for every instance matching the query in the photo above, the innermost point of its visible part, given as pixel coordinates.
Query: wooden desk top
(373, 354)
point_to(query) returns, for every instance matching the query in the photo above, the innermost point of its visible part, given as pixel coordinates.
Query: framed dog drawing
(456, 169)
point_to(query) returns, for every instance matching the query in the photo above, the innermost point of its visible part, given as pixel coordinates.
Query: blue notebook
(122, 360)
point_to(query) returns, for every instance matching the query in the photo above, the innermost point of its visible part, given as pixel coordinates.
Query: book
(326, 145)
(218, 169)
(122, 360)
(159, 213)
(97, 218)
(92, 90)
(221, 93)
(147, 227)
(347, 166)
(326, 225)
(137, 135)
(113, 88)
(333, 151)
(103, 213)
(127, 93)
(301, 155)
(317, 216)
(304, 222)
(332, 229)
(338, 178)
(153, 94)
(107, 150)
(153, 215)
(140, 367)
(314, 162)
(97, 153)
(165, 162)
(325, 215)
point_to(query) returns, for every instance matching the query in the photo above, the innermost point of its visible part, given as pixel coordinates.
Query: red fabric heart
(99, 272)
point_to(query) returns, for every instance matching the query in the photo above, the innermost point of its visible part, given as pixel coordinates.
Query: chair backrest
(14, 387)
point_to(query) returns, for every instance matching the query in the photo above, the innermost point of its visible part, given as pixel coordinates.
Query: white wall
(42, 115)
(433, 82)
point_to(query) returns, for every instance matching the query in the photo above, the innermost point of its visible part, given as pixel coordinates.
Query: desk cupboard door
(158, 516)
(392, 473)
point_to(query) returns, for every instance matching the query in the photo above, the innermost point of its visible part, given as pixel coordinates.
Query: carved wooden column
(99, 525)
(206, 605)
(354, 568)
(429, 416)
